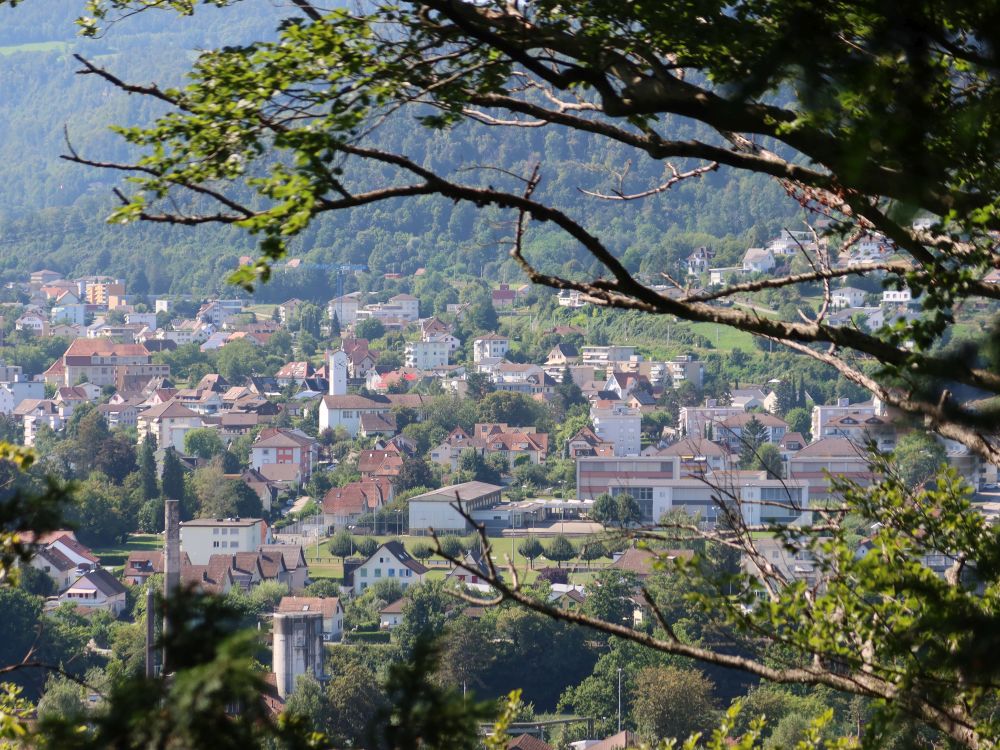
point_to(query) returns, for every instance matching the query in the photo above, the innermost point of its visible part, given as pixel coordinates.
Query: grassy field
(34, 47)
(724, 338)
(112, 557)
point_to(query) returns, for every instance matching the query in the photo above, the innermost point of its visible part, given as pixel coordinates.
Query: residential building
(391, 562)
(616, 423)
(294, 373)
(699, 261)
(168, 423)
(278, 446)
(503, 297)
(426, 355)
(96, 589)
(103, 362)
(848, 296)
(696, 421)
(408, 305)
(344, 308)
(758, 260)
(391, 614)
(822, 414)
(33, 323)
(685, 368)
(203, 537)
(100, 290)
(490, 345)
(829, 457)
(33, 413)
(862, 429)
(14, 392)
(586, 442)
(344, 506)
(439, 509)
(698, 457)
(346, 410)
(730, 430)
(601, 356)
(562, 355)
(56, 566)
(897, 296)
(218, 311)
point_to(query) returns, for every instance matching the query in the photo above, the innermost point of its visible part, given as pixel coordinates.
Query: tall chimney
(150, 622)
(171, 562)
(172, 546)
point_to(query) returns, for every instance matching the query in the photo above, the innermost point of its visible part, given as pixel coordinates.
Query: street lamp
(399, 522)
(351, 529)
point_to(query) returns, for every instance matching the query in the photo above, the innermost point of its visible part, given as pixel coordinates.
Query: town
(328, 463)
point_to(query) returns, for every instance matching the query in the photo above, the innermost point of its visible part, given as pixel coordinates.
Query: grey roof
(103, 581)
(466, 491)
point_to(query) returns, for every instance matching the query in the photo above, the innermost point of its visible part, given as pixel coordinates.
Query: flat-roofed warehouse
(437, 509)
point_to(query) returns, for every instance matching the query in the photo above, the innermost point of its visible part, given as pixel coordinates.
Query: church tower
(338, 373)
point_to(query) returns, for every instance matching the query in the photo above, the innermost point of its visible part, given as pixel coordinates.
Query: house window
(392, 572)
(378, 572)
(364, 572)
(234, 544)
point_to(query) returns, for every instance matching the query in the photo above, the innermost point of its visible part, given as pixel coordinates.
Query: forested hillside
(51, 212)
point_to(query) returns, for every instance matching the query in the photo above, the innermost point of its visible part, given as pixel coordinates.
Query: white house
(408, 304)
(426, 355)
(758, 260)
(849, 296)
(897, 297)
(619, 425)
(169, 422)
(491, 345)
(345, 308)
(203, 537)
(276, 446)
(96, 589)
(346, 410)
(391, 615)
(13, 393)
(391, 562)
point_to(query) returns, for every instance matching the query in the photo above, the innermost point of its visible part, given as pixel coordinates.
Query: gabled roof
(55, 558)
(168, 410)
(397, 550)
(104, 347)
(291, 554)
(280, 437)
(69, 542)
(832, 447)
(740, 420)
(101, 580)
(693, 447)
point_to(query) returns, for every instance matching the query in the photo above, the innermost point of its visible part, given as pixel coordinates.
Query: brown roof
(642, 561)
(69, 541)
(620, 741)
(291, 554)
(328, 605)
(832, 447)
(104, 347)
(739, 420)
(527, 742)
(395, 608)
(170, 409)
(694, 447)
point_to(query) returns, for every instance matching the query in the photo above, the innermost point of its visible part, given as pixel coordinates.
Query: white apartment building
(425, 355)
(203, 537)
(822, 414)
(897, 297)
(345, 308)
(619, 425)
(489, 346)
(601, 356)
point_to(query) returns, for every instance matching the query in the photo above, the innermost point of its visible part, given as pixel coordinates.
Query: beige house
(168, 423)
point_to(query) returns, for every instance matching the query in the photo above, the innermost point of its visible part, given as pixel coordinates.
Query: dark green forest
(51, 212)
